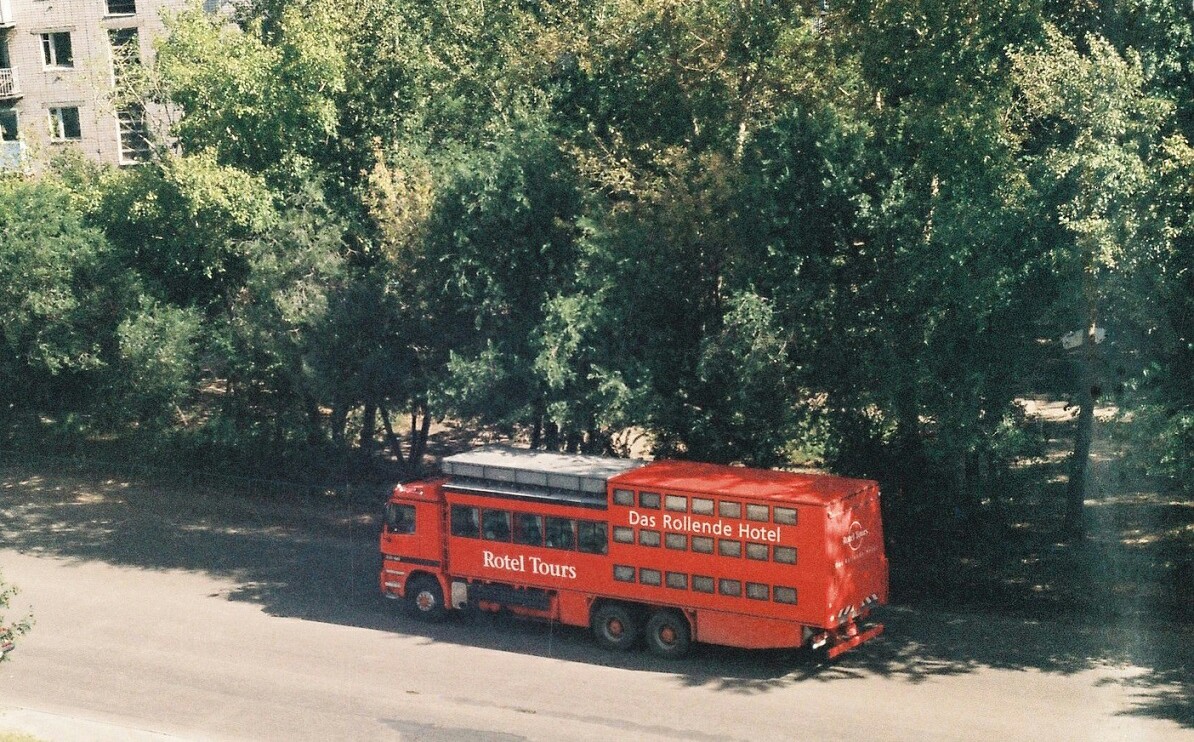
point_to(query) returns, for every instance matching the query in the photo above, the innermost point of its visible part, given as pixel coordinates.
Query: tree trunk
(368, 430)
(418, 441)
(1074, 524)
(339, 422)
(1075, 495)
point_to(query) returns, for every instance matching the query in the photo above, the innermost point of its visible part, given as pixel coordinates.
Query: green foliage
(10, 630)
(266, 105)
(157, 371)
(53, 271)
(183, 225)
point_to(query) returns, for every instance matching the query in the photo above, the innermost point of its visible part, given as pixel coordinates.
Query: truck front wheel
(426, 599)
(614, 627)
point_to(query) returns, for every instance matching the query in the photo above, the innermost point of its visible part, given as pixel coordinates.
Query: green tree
(56, 298)
(1102, 139)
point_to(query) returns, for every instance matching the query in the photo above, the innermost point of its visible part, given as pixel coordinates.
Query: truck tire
(668, 634)
(614, 627)
(426, 599)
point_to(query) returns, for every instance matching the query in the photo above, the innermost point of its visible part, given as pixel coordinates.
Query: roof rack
(512, 472)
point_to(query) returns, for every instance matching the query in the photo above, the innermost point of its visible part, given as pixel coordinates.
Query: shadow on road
(316, 558)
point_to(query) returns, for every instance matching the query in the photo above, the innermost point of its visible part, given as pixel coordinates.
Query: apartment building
(59, 60)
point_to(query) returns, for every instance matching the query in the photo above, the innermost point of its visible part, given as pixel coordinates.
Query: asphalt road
(201, 617)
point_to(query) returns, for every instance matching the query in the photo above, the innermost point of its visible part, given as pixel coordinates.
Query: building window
(8, 124)
(134, 134)
(126, 47)
(122, 7)
(64, 124)
(56, 49)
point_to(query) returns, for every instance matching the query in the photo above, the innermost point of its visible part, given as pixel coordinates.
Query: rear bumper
(850, 636)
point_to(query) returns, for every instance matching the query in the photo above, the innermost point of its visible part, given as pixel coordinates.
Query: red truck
(669, 552)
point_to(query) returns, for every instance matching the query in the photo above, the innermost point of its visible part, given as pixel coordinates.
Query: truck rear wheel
(426, 599)
(614, 627)
(668, 634)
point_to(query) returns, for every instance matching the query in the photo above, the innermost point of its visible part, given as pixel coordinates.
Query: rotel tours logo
(854, 538)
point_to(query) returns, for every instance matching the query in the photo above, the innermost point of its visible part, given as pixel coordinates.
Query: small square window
(702, 544)
(677, 580)
(623, 573)
(758, 512)
(677, 503)
(623, 497)
(785, 516)
(649, 500)
(624, 534)
(756, 551)
(729, 548)
(784, 595)
(730, 509)
(729, 587)
(648, 538)
(785, 554)
(757, 591)
(650, 577)
(702, 584)
(675, 541)
(702, 506)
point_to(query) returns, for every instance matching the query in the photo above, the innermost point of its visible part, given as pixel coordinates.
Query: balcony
(9, 88)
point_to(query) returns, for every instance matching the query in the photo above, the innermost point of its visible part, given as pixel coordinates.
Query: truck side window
(528, 529)
(590, 537)
(495, 525)
(400, 518)
(559, 534)
(466, 521)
